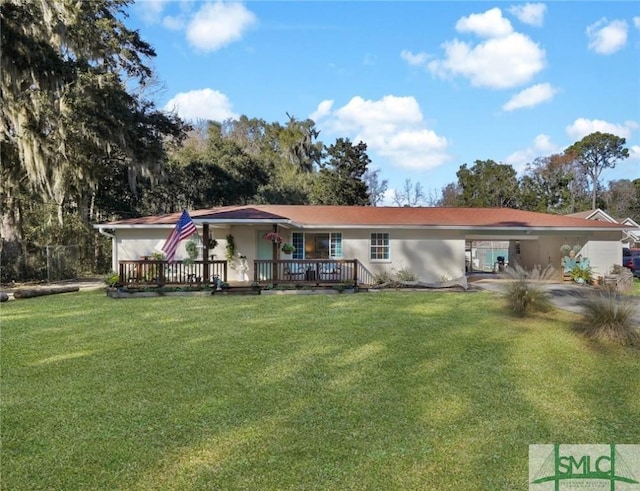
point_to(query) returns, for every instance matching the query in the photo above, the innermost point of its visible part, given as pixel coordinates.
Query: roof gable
(596, 214)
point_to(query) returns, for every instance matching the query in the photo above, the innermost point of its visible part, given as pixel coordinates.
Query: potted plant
(582, 273)
(288, 248)
(192, 250)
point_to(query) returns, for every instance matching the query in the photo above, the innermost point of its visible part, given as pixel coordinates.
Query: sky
(427, 85)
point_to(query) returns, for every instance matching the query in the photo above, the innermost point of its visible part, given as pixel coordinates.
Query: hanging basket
(288, 248)
(274, 237)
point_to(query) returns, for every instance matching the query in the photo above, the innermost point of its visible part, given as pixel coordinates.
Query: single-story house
(630, 237)
(435, 244)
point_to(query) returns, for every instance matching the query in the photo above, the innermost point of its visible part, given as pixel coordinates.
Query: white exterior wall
(603, 255)
(431, 255)
(134, 243)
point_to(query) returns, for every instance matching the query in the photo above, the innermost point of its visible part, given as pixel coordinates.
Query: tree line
(82, 142)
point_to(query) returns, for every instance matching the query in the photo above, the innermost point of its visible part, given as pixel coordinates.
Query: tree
(450, 195)
(488, 184)
(411, 195)
(298, 143)
(622, 199)
(72, 81)
(553, 185)
(596, 152)
(339, 181)
(64, 97)
(376, 187)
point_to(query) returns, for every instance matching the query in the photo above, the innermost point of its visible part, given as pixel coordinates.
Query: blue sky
(428, 85)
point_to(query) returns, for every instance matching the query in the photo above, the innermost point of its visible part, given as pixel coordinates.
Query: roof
(596, 214)
(368, 216)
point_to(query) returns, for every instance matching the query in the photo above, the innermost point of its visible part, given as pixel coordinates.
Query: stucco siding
(133, 244)
(603, 255)
(430, 255)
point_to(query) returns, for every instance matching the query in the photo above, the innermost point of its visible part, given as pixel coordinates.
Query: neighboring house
(630, 236)
(434, 243)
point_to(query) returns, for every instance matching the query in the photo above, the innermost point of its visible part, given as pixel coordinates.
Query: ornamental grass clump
(525, 292)
(609, 317)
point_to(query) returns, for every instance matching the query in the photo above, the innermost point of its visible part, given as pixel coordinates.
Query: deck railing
(160, 272)
(306, 271)
(266, 271)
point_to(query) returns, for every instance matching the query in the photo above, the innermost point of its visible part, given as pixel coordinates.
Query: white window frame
(385, 246)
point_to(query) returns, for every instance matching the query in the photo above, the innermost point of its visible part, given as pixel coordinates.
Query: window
(379, 247)
(317, 246)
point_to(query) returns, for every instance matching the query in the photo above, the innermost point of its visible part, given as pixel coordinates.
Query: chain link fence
(62, 262)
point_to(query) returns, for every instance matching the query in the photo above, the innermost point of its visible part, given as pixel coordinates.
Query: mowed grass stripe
(391, 390)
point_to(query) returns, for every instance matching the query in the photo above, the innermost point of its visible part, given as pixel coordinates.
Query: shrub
(609, 317)
(525, 293)
(382, 278)
(112, 279)
(405, 274)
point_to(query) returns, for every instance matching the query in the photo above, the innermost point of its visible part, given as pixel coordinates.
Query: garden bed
(156, 292)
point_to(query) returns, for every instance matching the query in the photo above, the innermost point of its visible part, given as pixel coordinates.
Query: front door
(265, 251)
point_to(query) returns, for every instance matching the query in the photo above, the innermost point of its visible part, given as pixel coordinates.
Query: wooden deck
(312, 272)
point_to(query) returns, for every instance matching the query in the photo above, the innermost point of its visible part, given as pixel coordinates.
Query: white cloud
(151, 10)
(489, 24)
(217, 24)
(530, 13)
(207, 104)
(606, 37)
(392, 127)
(531, 97)
(415, 59)
(634, 152)
(324, 109)
(498, 63)
(636, 22)
(541, 147)
(582, 127)
(174, 23)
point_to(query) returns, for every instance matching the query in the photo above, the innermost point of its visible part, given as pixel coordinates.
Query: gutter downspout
(114, 248)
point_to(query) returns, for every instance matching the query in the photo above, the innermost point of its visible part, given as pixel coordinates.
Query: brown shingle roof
(306, 215)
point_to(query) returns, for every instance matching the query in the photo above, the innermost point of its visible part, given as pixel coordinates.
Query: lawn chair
(294, 271)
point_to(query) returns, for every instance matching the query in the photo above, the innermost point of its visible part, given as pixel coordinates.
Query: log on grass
(38, 292)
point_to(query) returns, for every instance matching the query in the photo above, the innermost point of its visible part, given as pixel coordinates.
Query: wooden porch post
(205, 253)
(275, 256)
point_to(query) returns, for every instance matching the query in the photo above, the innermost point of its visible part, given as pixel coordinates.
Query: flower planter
(124, 293)
(319, 291)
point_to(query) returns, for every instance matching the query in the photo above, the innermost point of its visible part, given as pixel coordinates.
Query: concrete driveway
(566, 296)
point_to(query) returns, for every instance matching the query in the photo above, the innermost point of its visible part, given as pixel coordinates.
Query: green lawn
(385, 391)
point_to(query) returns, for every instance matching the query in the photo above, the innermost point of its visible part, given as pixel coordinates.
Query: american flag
(184, 228)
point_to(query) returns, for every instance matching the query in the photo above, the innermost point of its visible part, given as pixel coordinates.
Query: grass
(392, 390)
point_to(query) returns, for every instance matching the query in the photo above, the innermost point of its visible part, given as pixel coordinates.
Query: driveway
(566, 296)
